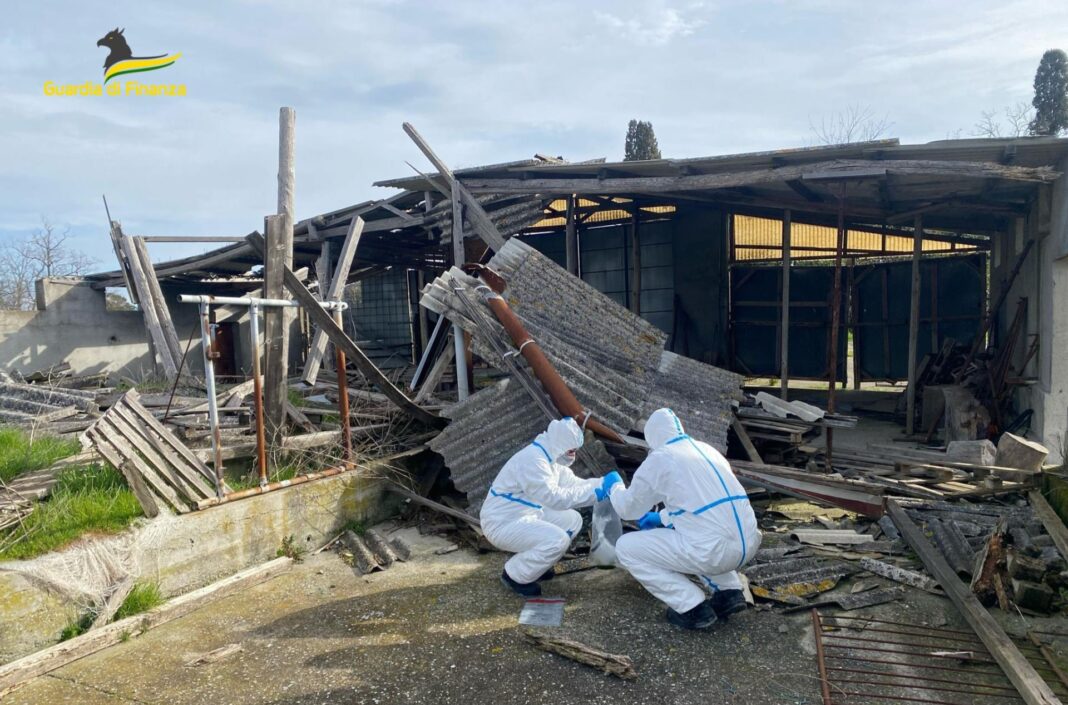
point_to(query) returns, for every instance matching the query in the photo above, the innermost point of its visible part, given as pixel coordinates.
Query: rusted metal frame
(821, 664)
(902, 652)
(257, 393)
(915, 677)
(906, 643)
(343, 397)
(926, 666)
(839, 617)
(977, 644)
(918, 686)
(904, 698)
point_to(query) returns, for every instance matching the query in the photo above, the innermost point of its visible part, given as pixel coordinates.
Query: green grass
(91, 499)
(20, 454)
(142, 598)
(248, 480)
(77, 627)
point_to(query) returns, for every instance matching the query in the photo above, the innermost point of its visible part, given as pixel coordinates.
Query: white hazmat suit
(709, 531)
(529, 509)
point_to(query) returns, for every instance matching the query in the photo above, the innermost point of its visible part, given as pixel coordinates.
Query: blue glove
(650, 520)
(605, 489)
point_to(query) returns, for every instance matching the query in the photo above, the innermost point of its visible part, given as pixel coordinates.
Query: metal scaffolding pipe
(252, 301)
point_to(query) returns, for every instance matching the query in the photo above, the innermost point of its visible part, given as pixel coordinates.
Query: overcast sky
(483, 81)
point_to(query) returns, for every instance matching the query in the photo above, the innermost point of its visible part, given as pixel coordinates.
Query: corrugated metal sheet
(613, 361)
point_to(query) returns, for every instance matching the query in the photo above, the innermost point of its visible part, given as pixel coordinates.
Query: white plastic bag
(605, 529)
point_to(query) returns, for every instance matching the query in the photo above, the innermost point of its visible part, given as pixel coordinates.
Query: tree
(854, 124)
(43, 253)
(641, 142)
(1051, 94)
(1017, 119)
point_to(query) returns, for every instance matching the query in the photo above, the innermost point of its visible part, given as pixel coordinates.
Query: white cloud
(653, 24)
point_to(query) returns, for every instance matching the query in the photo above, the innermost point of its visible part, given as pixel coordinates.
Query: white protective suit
(710, 529)
(529, 509)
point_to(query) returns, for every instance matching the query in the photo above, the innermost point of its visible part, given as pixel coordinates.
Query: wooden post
(163, 312)
(148, 308)
(853, 316)
(335, 292)
(463, 384)
(571, 236)
(784, 325)
(836, 319)
(914, 324)
(323, 274)
(274, 386)
(635, 264)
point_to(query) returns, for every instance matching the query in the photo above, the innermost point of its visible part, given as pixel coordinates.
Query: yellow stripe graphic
(137, 65)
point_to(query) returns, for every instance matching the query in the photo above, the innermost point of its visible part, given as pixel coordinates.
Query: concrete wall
(72, 324)
(1043, 281)
(184, 553)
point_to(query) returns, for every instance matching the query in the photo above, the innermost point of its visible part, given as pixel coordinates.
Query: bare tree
(43, 253)
(856, 123)
(1013, 121)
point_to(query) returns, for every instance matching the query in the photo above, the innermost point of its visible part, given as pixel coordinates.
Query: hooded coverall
(529, 509)
(709, 530)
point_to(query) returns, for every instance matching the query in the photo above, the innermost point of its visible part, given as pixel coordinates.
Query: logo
(121, 61)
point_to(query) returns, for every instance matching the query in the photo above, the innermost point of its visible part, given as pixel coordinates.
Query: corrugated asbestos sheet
(613, 361)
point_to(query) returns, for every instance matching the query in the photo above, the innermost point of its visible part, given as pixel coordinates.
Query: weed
(290, 549)
(125, 636)
(21, 452)
(355, 527)
(142, 598)
(78, 627)
(85, 499)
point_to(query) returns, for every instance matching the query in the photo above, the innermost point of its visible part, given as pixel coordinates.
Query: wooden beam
(148, 309)
(914, 324)
(47, 660)
(335, 292)
(459, 257)
(476, 215)
(337, 336)
(1050, 520)
(802, 189)
(189, 238)
(784, 325)
(635, 265)
(115, 230)
(1030, 685)
(433, 378)
(275, 388)
(163, 312)
(700, 182)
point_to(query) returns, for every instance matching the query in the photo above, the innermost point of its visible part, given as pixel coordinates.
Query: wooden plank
(571, 249)
(476, 214)
(132, 402)
(1030, 685)
(163, 312)
(352, 351)
(157, 453)
(275, 333)
(125, 437)
(148, 309)
(1050, 521)
(115, 230)
(47, 660)
(433, 378)
(120, 455)
(459, 257)
(334, 293)
(635, 264)
(747, 443)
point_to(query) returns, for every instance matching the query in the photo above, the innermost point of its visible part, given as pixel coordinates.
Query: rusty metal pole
(213, 409)
(343, 396)
(257, 393)
(817, 634)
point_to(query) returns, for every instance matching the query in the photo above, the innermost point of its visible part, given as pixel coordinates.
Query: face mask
(567, 458)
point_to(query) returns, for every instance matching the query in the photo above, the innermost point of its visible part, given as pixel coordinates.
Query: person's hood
(561, 436)
(661, 427)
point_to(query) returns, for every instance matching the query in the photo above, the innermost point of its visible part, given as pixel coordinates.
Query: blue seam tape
(510, 498)
(726, 492)
(540, 447)
(724, 500)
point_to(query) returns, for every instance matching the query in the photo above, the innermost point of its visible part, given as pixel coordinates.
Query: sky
(483, 82)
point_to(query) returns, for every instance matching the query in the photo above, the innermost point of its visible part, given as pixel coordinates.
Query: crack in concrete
(109, 693)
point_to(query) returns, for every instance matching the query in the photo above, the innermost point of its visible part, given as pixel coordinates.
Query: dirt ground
(441, 629)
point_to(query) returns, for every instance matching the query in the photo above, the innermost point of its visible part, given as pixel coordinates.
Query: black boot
(728, 602)
(548, 575)
(700, 617)
(524, 589)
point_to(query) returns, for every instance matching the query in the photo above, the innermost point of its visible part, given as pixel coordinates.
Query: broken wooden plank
(1051, 522)
(148, 309)
(436, 506)
(121, 455)
(163, 312)
(352, 351)
(747, 443)
(164, 433)
(433, 378)
(334, 293)
(47, 660)
(1028, 683)
(614, 664)
(900, 575)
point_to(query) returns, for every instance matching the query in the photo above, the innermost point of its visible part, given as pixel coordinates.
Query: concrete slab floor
(441, 629)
